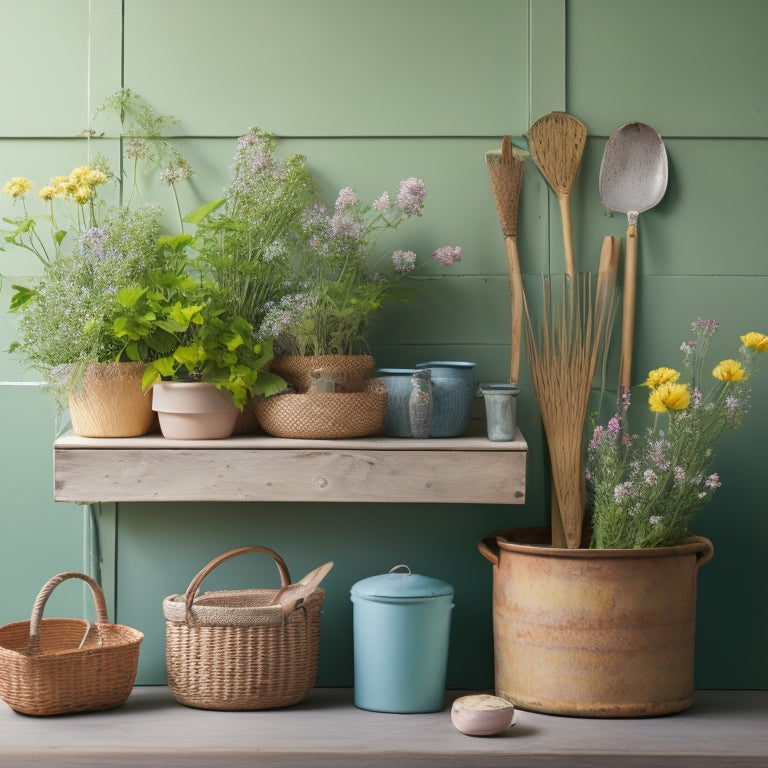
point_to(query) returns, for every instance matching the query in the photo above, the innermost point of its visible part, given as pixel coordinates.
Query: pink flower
(383, 203)
(448, 255)
(347, 196)
(409, 198)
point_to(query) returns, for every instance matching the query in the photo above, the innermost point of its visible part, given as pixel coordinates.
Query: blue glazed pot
(397, 420)
(453, 389)
(401, 627)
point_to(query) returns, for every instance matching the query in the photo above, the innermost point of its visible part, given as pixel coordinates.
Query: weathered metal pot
(594, 633)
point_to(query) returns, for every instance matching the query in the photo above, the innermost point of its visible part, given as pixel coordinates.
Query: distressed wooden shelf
(260, 468)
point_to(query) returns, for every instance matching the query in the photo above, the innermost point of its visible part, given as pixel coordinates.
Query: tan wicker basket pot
(322, 416)
(348, 372)
(109, 402)
(244, 649)
(55, 666)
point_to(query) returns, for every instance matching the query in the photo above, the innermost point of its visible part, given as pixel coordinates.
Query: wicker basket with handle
(244, 649)
(55, 666)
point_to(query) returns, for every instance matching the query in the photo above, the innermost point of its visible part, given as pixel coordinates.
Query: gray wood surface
(461, 470)
(723, 729)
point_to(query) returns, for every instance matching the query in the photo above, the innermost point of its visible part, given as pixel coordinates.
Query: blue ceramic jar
(453, 390)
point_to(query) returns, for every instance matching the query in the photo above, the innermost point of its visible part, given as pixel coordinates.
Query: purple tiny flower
(654, 519)
(650, 476)
(622, 490)
(447, 255)
(596, 436)
(382, 203)
(732, 403)
(347, 196)
(409, 198)
(614, 426)
(404, 261)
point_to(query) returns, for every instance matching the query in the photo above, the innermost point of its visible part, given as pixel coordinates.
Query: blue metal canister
(401, 626)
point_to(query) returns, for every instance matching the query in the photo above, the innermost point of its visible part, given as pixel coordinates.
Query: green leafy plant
(647, 488)
(248, 238)
(183, 326)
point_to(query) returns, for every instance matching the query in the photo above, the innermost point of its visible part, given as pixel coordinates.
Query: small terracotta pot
(190, 410)
(109, 401)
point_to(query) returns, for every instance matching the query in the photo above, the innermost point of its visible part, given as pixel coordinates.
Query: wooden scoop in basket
(292, 595)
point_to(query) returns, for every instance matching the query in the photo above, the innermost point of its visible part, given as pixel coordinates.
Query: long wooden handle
(565, 215)
(516, 304)
(628, 309)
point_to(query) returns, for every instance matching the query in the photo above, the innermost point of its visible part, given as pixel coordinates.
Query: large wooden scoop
(557, 144)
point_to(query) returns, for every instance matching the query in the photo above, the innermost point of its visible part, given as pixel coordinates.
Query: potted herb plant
(205, 361)
(338, 284)
(90, 251)
(607, 629)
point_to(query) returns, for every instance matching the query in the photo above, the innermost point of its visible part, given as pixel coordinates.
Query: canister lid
(400, 582)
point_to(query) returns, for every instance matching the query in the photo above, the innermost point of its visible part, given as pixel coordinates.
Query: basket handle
(190, 594)
(45, 593)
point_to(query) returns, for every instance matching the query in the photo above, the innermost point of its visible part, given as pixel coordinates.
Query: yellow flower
(62, 186)
(47, 193)
(661, 376)
(756, 341)
(669, 397)
(728, 370)
(95, 177)
(82, 194)
(17, 186)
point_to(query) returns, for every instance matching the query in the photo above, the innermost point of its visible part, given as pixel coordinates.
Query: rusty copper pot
(590, 632)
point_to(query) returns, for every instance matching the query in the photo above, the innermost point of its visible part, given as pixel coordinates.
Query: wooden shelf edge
(469, 470)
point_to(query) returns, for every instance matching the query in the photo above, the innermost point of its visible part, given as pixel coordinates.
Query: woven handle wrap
(47, 590)
(191, 593)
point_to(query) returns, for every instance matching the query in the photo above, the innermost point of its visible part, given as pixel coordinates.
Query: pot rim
(534, 546)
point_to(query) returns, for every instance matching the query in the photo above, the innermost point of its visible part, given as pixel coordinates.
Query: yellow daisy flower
(669, 397)
(95, 177)
(728, 370)
(17, 186)
(82, 194)
(47, 192)
(660, 376)
(756, 341)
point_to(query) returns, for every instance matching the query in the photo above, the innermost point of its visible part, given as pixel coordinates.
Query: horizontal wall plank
(687, 68)
(347, 68)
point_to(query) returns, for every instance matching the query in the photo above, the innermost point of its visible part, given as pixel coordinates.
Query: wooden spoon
(557, 144)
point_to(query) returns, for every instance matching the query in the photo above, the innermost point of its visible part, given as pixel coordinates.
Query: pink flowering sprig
(646, 489)
(343, 275)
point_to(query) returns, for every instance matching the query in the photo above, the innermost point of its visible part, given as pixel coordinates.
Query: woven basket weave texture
(57, 666)
(235, 650)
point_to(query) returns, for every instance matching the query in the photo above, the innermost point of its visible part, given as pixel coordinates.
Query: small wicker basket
(55, 666)
(244, 649)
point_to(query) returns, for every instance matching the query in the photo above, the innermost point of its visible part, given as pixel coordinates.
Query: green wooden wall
(374, 93)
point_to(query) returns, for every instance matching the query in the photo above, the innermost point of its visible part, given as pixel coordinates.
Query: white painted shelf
(259, 468)
(723, 728)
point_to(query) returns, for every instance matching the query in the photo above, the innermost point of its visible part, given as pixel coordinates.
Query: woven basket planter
(244, 649)
(56, 666)
(315, 415)
(348, 372)
(109, 402)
